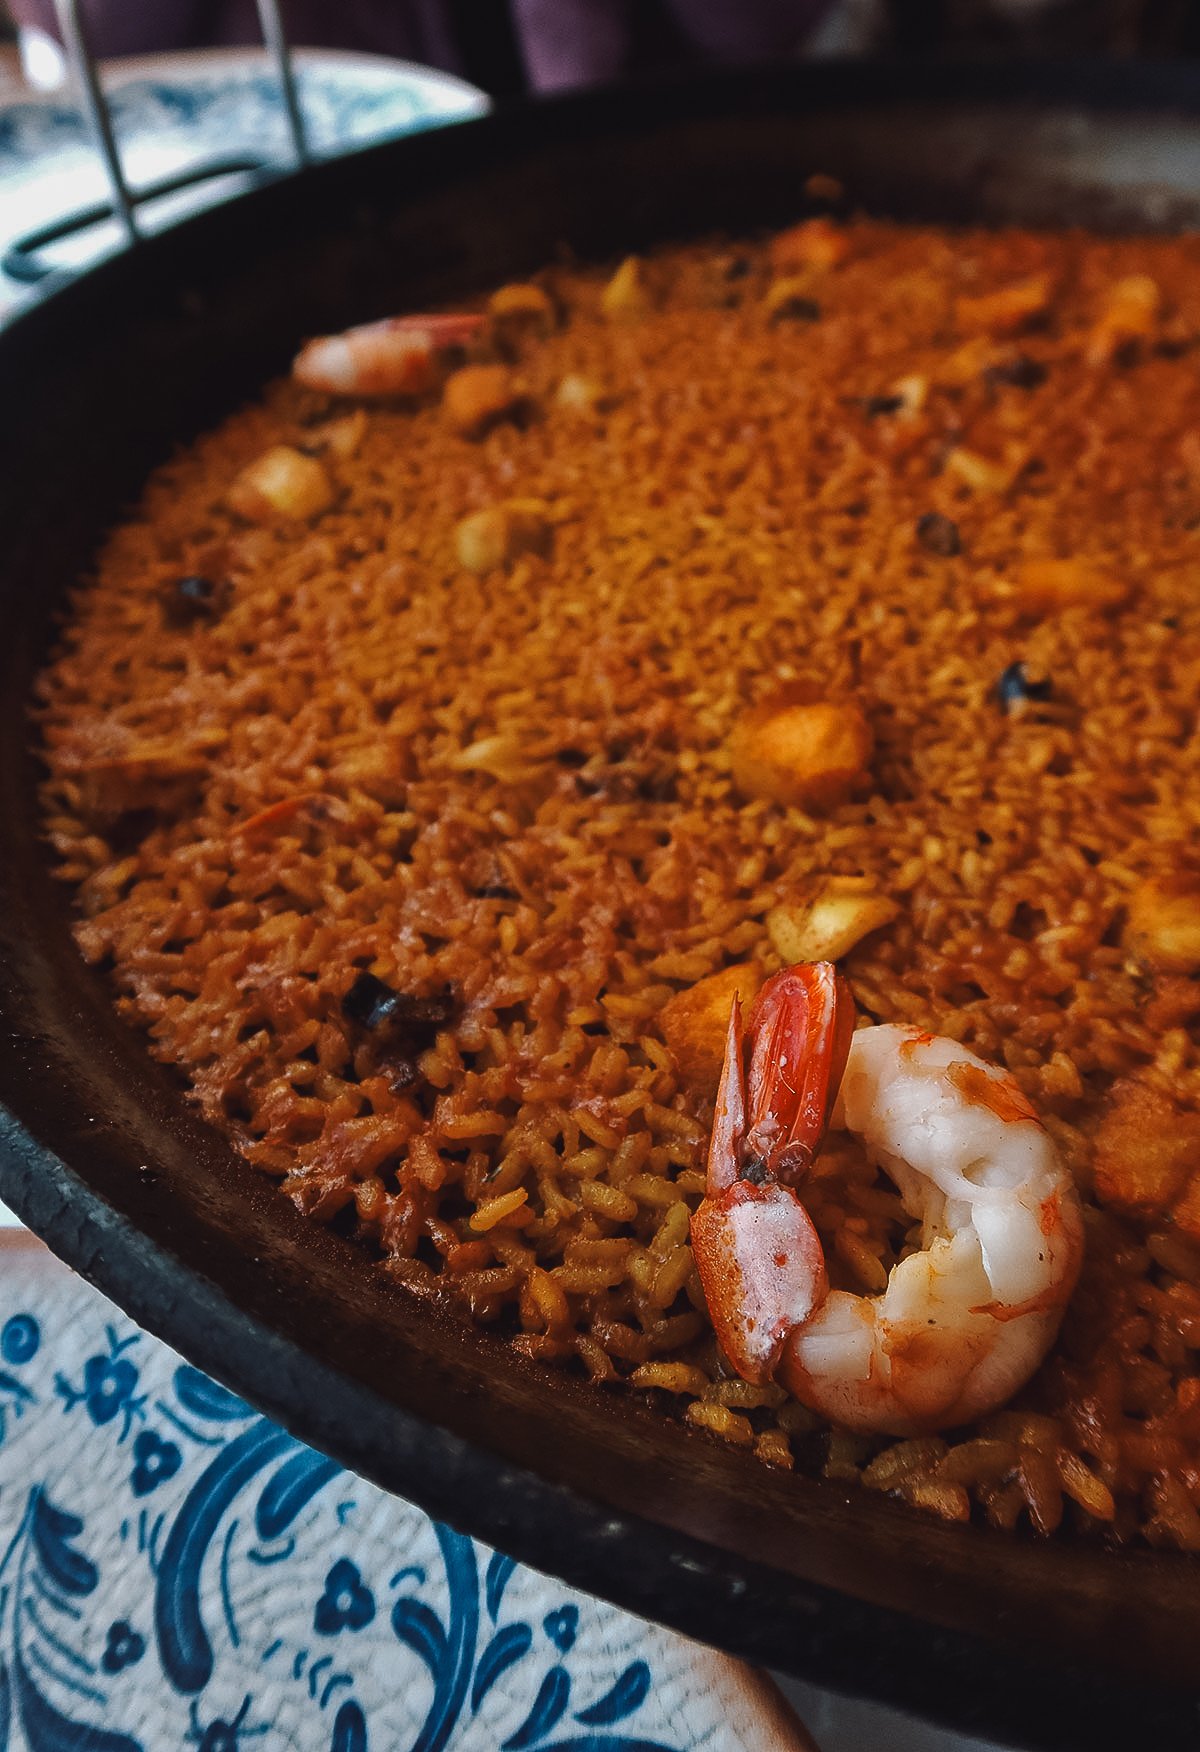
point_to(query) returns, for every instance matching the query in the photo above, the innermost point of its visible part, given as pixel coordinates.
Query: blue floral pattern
(213, 107)
(176, 1571)
(346, 1604)
(123, 1648)
(20, 1338)
(561, 1627)
(344, 103)
(154, 1461)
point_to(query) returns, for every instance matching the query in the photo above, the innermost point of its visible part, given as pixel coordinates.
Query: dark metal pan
(1046, 1644)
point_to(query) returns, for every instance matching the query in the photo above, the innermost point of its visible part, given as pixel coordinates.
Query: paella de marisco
(443, 742)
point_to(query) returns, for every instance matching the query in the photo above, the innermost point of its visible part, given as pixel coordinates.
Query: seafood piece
(398, 356)
(1043, 588)
(282, 482)
(486, 539)
(1146, 1151)
(759, 1257)
(818, 243)
(478, 396)
(1163, 927)
(814, 754)
(578, 394)
(1006, 310)
(625, 299)
(983, 474)
(965, 1320)
(1131, 314)
(522, 305)
(695, 1021)
(826, 925)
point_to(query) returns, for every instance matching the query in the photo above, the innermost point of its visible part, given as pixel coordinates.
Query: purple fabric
(564, 42)
(585, 42)
(749, 30)
(417, 30)
(572, 42)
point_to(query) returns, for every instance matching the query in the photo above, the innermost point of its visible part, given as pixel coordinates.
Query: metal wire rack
(26, 259)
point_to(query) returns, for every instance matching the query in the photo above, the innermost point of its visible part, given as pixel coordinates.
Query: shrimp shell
(397, 356)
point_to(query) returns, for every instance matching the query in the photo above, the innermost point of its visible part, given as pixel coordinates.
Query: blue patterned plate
(172, 112)
(178, 1572)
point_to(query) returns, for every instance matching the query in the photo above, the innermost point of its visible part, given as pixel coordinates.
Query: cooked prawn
(398, 356)
(964, 1320)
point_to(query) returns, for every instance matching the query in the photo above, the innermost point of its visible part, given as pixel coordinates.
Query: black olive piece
(372, 1003)
(191, 598)
(1022, 372)
(939, 535)
(799, 309)
(874, 405)
(1016, 688)
(369, 1001)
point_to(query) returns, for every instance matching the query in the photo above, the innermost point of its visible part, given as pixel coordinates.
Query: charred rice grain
(1021, 372)
(939, 535)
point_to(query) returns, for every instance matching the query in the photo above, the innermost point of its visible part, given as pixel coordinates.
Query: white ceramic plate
(172, 112)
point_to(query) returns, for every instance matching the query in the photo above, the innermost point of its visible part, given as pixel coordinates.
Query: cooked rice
(509, 794)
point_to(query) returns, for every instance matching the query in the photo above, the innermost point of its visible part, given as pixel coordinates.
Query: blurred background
(511, 46)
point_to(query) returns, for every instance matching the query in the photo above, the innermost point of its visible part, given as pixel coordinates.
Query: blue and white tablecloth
(177, 1571)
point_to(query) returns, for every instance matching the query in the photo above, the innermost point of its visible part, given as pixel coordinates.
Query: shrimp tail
(760, 1261)
(397, 356)
(800, 1031)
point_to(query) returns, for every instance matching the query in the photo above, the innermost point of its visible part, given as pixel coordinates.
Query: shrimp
(398, 356)
(965, 1320)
